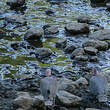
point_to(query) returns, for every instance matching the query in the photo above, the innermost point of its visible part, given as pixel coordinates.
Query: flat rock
(90, 50)
(81, 58)
(34, 34)
(77, 28)
(100, 45)
(68, 99)
(101, 34)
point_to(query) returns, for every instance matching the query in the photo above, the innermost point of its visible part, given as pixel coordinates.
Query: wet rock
(38, 103)
(68, 99)
(77, 52)
(92, 109)
(16, 19)
(15, 3)
(81, 81)
(84, 19)
(61, 43)
(108, 6)
(63, 108)
(100, 45)
(2, 34)
(43, 52)
(34, 34)
(81, 58)
(93, 59)
(20, 109)
(15, 45)
(101, 34)
(51, 30)
(70, 48)
(77, 28)
(24, 100)
(66, 84)
(49, 11)
(90, 50)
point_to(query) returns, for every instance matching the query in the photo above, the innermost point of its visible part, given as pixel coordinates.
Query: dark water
(15, 62)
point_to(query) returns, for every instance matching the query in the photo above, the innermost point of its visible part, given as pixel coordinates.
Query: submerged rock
(34, 34)
(100, 45)
(68, 99)
(77, 28)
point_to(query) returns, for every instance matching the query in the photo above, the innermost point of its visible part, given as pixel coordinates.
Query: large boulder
(67, 99)
(101, 34)
(77, 28)
(100, 45)
(34, 34)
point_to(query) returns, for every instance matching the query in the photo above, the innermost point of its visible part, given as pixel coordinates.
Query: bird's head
(48, 72)
(94, 71)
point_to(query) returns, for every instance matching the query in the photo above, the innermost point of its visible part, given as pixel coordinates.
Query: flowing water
(16, 62)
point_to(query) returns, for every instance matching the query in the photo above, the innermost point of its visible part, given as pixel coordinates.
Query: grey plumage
(99, 87)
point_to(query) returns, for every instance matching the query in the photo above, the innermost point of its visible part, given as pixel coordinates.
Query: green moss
(44, 64)
(3, 50)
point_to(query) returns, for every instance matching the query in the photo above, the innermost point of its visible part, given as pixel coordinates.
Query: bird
(98, 86)
(48, 87)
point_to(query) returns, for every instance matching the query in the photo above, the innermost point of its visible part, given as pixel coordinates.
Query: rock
(77, 52)
(15, 3)
(20, 109)
(16, 19)
(77, 28)
(24, 100)
(63, 108)
(101, 34)
(43, 53)
(92, 109)
(108, 6)
(2, 34)
(70, 48)
(49, 11)
(81, 81)
(100, 45)
(51, 30)
(93, 59)
(81, 58)
(67, 99)
(38, 103)
(66, 84)
(61, 43)
(34, 34)
(15, 45)
(84, 19)
(90, 50)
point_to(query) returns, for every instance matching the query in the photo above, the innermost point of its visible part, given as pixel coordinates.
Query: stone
(90, 50)
(34, 34)
(67, 85)
(93, 59)
(43, 53)
(17, 19)
(49, 11)
(15, 3)
(81, 58)
(101, 34)
(77, 52)
(51, 30)
(108, 6)
(92, 109)
(24, 100)
(84, 19)
(70, 48)
(67, 99)
(81, 81)
(100, 45)
(77, 28)
(61, 43)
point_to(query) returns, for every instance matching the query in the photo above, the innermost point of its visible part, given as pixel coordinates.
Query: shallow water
(14, 63)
